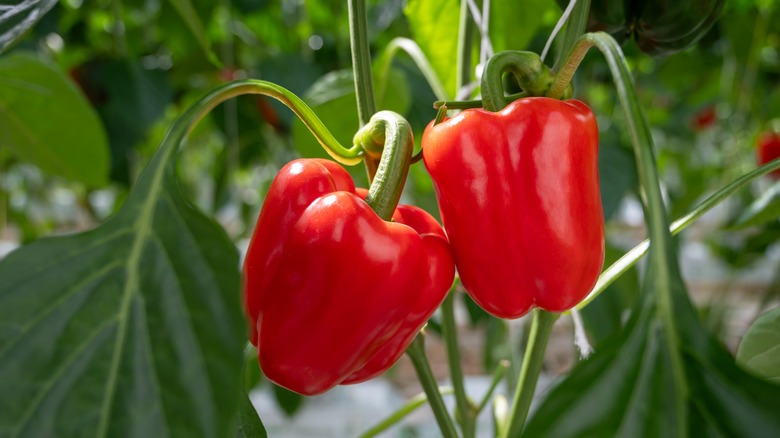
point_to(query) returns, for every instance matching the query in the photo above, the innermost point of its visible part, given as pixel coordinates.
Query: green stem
(391, 134)
(662, 255)
(465, 40)
(541, 327)
(498, 374)
(630, 258)
(476, 103)
(361, 68)
(533, 76)
(466, 412)
(416, 352)
(574, 29)
(410, 406)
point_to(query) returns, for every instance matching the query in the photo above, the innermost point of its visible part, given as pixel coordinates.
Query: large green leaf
(45, 120)
(131, 329)
(434, 25)
(249, 424)
(759, 350)
(17, 16)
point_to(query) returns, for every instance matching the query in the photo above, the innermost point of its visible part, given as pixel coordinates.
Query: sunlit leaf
(434, 25)
(47, 121)
(759, 350)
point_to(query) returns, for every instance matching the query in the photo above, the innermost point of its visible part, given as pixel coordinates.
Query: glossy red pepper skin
(519, 197)
(333, 293)
(768, 149)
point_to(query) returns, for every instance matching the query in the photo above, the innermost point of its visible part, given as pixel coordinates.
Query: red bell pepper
(333, 293)
(519, 197)
(768, 149)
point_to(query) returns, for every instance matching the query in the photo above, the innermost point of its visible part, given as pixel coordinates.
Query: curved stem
(541, 327)
(416, 352)
(476, 103)
(411, 48)
(348, 156)
(533, 76)
(410, 406)
(576, 27)
(630, 258)
(391, 134)
(466, 413)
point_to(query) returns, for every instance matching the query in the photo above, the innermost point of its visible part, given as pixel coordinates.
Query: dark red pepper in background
(519, 197)
(768, 149)
(333, 293)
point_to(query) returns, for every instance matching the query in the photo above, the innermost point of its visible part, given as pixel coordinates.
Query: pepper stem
(388, 135)
(416, 352)
(533, 76)
(541, 327)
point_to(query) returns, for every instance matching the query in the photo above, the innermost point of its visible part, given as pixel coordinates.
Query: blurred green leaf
(187, 11)
(45, 120)
(759, 350)
(513, 24)
(764, 209)
(289, 401)
(249, 424)
(617, 176)
(131, 329)
(434, 25)
(18, 16)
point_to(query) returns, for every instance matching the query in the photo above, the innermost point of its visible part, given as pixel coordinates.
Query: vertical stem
(416, 352)
(466, 415)
(574, 29)
(361, 68)
(541, 327)
(465, 39)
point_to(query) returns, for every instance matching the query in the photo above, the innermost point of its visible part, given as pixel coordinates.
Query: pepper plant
(142, 325)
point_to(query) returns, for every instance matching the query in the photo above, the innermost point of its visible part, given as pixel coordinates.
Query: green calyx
(389, 135)
(534, 77)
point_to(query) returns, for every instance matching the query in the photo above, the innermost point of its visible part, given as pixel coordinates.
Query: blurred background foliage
(126, 69)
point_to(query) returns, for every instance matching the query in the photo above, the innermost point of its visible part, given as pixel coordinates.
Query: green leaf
(17, 16)
(764, 209)
(759, 350)
(131, 329)
(45, 120)
(249, 424)
(189, 14)
(434, 25)
(514, 24)
(289, 401)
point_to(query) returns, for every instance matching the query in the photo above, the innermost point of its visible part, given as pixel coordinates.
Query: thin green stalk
(416, 352)
(541, 327)
(466, 413)
(361, 68)
(574, 29)
(498, 374)
(410, 406)
(465, 40)
(630, 258)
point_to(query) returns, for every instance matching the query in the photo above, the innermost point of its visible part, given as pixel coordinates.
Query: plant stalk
(466, 412)
(541, 327)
